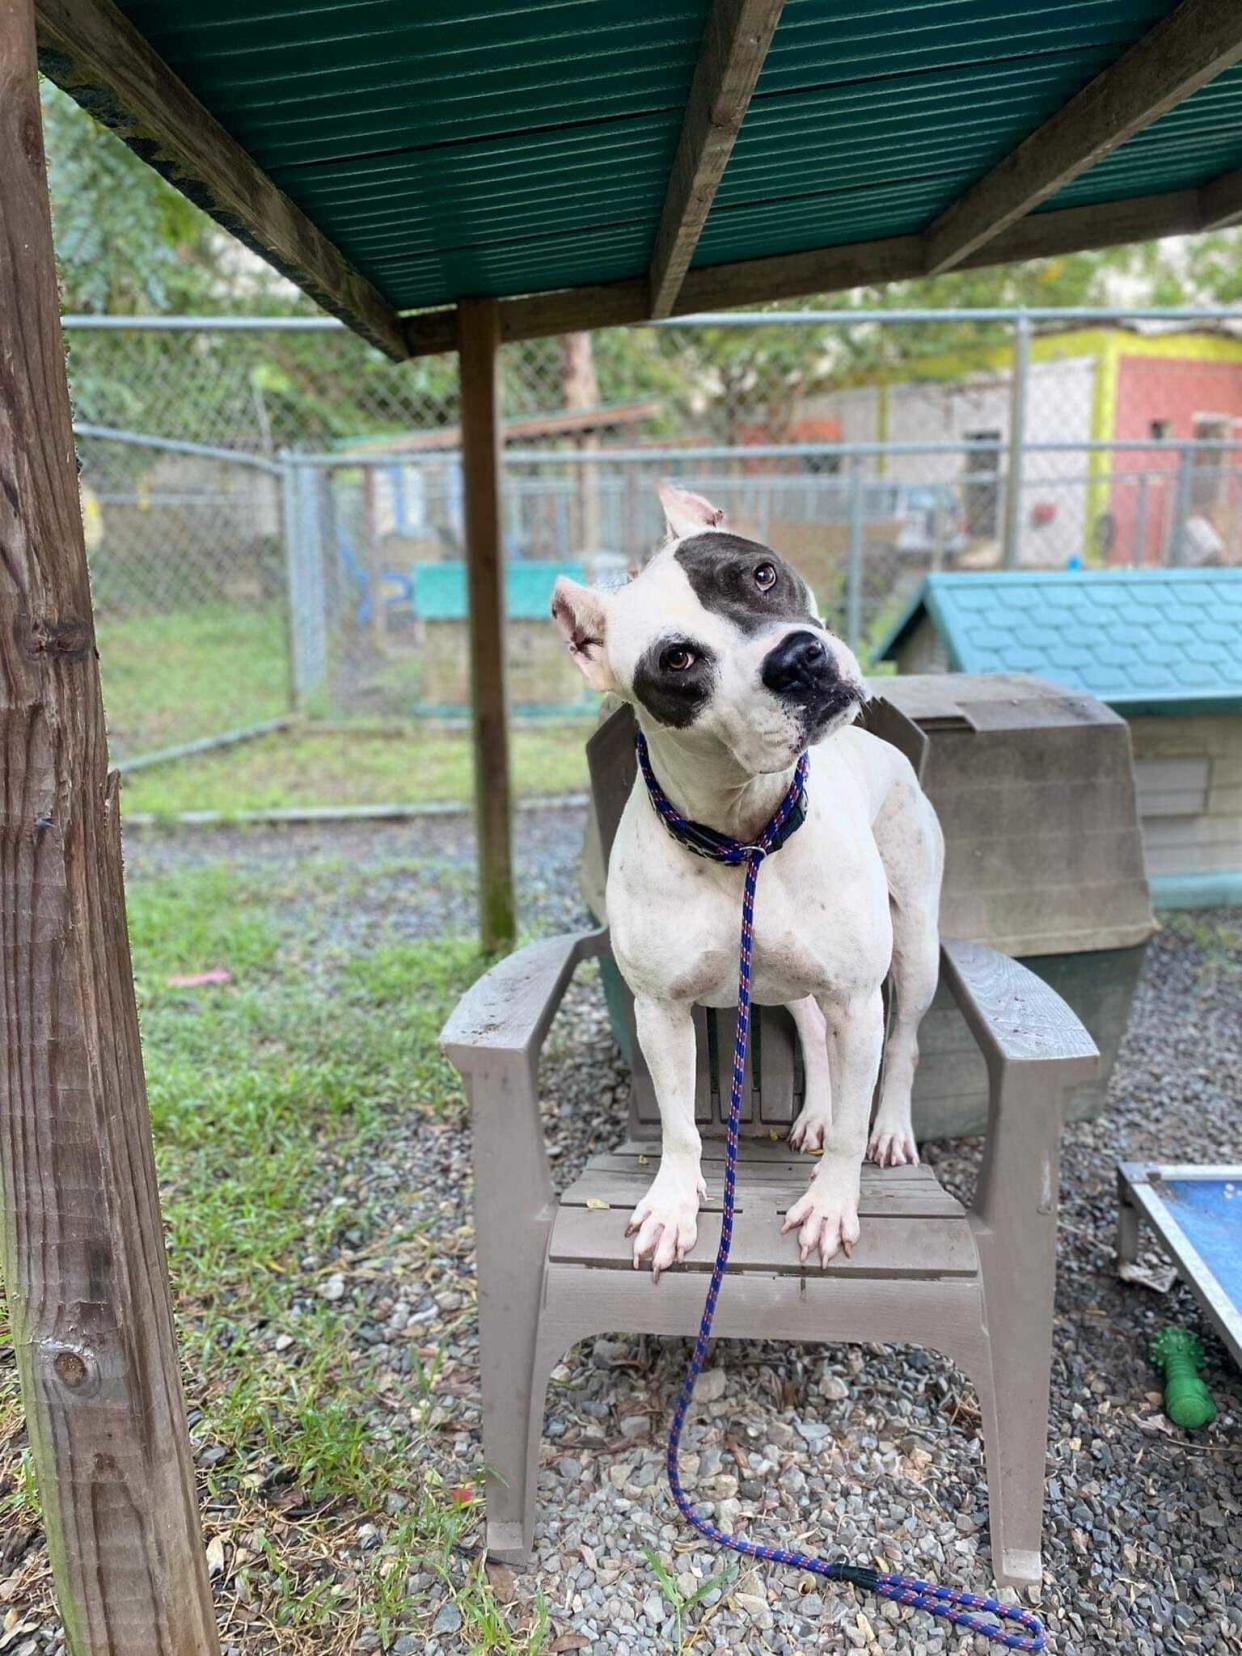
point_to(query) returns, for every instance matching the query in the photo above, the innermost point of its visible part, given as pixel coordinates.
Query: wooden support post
(479, 347)
(83, 1250)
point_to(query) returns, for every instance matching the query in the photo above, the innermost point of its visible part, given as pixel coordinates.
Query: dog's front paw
(807, 1133)
(664, 1225)
(892, 1141)
(826, 1218)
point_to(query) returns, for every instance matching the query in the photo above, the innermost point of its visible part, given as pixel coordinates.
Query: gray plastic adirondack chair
(975, 1284)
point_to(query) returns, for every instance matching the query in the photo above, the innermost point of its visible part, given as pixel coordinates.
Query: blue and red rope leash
(965, 1610)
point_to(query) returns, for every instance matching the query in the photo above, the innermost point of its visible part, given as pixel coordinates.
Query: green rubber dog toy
(1179, 1357)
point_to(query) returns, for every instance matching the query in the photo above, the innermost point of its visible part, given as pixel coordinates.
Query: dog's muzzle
(802, 671)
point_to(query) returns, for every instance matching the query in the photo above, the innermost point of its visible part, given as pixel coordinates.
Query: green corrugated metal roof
(462, 146)
(1142, 640)
(439, 589)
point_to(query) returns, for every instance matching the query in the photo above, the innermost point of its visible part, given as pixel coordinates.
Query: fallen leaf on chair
(595, 1202)
(197, 980)
(1159, 1278)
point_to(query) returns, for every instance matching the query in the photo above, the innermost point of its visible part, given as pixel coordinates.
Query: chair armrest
(508, 1010)
(1014, 1016)
(493, 1038)
(1035, 1048)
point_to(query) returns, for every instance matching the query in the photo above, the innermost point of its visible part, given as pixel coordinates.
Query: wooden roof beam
(1220, 201)
(92, 50)
(1187, 49)
(735, 45)
(837, 269)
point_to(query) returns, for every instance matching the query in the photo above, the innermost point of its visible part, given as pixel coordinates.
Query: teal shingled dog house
(1163, 647)
(541, 677)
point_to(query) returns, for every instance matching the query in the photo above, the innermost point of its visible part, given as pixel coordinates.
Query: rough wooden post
(479, 345)
(83, 1253)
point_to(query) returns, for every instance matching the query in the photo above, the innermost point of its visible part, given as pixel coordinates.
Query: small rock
(814, 1433)
(333, 1288)
(448, 1620)
(710, 1387)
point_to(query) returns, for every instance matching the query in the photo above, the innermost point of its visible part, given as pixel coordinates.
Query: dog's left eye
(765, 577)
(678, 659)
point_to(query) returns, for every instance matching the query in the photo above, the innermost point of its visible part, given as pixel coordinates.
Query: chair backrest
(774, 1079)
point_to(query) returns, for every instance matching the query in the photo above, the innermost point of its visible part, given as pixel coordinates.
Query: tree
(126, 241)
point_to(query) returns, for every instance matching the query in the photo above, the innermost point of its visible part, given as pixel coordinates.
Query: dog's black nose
(800, 663)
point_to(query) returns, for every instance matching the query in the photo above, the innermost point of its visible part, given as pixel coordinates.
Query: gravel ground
(871, 1452)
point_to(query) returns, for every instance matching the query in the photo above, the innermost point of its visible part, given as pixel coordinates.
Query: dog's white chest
(821, 908)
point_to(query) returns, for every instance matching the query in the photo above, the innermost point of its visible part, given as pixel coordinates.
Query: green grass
(171, 678)
(292, 768)
(263, 1110)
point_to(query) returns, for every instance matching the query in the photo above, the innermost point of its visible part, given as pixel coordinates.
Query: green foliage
(126, 241)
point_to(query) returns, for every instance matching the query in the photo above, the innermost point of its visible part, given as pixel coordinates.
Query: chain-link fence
(274, 512)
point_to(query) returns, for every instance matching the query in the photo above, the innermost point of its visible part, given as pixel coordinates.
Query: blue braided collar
(706, 842)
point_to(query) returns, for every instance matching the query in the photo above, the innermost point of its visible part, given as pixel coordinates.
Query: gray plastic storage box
(1034, 786)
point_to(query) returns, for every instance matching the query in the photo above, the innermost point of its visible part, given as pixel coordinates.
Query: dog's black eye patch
(674, 680)
(744, 582)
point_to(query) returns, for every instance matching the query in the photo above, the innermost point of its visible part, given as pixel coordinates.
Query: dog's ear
(686, 513)
(580, 614)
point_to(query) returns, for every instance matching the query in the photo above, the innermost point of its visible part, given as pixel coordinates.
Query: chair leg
(1013, 1399)
(515, 1369)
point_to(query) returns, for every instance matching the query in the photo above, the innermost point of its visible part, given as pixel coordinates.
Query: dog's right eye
(677, 658)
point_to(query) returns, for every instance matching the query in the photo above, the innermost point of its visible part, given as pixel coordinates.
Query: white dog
(731, 674)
